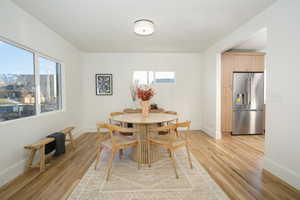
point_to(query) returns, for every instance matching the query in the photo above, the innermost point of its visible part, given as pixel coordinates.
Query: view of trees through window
(18, 83)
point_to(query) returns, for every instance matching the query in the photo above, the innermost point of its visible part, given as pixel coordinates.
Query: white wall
(184, 96)
(283, 94)
(18, 26)
(283, 105)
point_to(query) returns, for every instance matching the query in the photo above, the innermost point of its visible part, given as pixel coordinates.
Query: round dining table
(144, 124)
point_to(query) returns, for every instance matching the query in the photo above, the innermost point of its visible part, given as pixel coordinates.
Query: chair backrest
(112, 114)
(130, 110)
(102, 135)
(109, 127)
(114, 128)
(172, 130)
(168, 128)
(160, 110)
(116, 113)
(170, 112)
(185, 124)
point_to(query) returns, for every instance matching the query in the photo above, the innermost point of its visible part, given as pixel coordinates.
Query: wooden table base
(154, 149)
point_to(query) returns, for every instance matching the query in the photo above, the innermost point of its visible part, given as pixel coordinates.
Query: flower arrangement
(145, 92)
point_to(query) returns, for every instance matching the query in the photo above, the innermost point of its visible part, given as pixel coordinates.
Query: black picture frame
(104, 84)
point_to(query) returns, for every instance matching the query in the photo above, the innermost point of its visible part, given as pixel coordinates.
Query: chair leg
(121, 154)
(176, 133)
(189, 155)
(99, 149)
(113, 152)
(174, 163)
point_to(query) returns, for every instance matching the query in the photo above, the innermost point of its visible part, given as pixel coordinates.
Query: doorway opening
(242, 86)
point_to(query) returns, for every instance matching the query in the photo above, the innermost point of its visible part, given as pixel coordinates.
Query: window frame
(154, 76)
(167, 82)
(36, 67)
(147, 78)
(59, 78)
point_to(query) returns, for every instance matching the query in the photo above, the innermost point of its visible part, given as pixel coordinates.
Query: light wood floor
(235, 163)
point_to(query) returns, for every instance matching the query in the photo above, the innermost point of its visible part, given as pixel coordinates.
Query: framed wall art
(104, 84)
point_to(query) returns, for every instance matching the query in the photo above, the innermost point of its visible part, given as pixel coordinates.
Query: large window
(27, 87)
(49, 85)
(149, 77)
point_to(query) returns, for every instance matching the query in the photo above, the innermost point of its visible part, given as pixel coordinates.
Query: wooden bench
(40, 146)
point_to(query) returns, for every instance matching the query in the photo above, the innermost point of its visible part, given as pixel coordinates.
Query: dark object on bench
(58, 144)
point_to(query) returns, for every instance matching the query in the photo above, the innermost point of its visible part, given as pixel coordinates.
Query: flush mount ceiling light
(143, 27)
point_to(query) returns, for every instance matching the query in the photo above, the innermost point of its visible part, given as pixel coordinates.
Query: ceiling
(257, 43)
(107, 25)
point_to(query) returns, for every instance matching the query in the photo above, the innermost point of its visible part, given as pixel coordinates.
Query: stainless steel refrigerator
(248, 103)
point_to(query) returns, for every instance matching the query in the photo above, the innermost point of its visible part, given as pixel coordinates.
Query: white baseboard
(88, 130)
(78, 132)
(17, 169)
(12, 172)
(282, 172)
(209, 132)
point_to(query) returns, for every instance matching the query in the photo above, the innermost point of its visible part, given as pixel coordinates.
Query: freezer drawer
(248, 122)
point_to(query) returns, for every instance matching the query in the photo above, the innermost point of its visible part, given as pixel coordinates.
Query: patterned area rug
(155, 183)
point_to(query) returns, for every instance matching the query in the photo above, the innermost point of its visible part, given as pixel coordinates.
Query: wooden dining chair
(111, 121)
(105, 135)
(130, 110)
(112, 114)
(171, 113)
(115, 143)
(171, 141)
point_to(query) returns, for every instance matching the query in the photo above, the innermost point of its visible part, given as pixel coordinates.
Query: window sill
(9, 122)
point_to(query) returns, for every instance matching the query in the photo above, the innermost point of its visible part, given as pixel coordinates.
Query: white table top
(136, 118)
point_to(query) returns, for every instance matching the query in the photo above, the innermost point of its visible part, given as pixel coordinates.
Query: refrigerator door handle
(249, 89)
